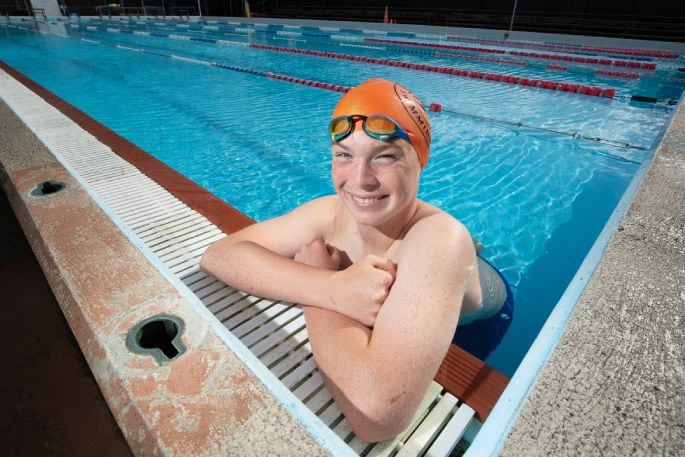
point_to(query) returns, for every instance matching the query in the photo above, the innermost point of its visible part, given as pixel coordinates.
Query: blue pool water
(535, 199)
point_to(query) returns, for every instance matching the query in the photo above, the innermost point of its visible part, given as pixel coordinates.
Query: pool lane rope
(570, 48)
(433, 107)
(573, 88)
(531, 82)
(246, 32)
(534, 55)
(437, 108)
(295, 30)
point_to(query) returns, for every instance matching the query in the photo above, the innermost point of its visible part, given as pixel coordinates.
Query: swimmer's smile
(366, 202)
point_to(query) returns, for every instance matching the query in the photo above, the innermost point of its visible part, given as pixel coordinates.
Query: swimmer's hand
(319, 254)
(357, 291)
(360, 290)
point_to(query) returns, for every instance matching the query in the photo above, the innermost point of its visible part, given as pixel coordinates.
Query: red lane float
(590, 60)
(571, 48)
(435, 45)
(481, 59)
(557, 67)
(551, 85)
(435, 107)
(307, 82)
(620, 74)
(533, 55)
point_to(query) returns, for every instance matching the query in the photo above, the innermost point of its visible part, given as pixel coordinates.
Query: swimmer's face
(376, 180)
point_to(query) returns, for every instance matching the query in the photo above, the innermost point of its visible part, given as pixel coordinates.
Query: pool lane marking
(554, 47)
(537, 65)
(244, 32)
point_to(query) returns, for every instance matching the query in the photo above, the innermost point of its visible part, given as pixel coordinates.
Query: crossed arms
(377, 376)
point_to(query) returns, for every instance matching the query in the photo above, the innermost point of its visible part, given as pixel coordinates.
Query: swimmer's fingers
(385, 265)
(319, 254)
(334, 253)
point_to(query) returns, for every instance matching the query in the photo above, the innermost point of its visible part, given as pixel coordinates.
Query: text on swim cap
(414, 107)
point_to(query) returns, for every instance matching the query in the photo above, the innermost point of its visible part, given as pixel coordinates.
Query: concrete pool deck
(614, 384)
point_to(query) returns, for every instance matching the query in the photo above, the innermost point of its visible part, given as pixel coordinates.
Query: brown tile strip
(471, 380)
(463, 375)
(220, 213)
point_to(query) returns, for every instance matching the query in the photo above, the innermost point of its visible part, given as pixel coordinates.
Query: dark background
(655, 19)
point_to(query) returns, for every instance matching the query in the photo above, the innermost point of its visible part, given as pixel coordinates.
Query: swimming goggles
(377, 126)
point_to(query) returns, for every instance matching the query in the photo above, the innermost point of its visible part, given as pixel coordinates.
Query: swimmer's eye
(387, 157)
(342, 155)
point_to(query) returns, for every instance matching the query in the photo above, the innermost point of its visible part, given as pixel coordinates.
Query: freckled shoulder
(435, 226)
(317, 215)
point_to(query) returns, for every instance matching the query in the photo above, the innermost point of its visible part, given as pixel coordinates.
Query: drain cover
(158, 336)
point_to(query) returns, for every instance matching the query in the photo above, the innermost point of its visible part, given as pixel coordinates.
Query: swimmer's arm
(473, 297)
(378, 377)
(258, 258)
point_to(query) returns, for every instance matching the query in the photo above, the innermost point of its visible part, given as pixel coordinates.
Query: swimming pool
(535, 199)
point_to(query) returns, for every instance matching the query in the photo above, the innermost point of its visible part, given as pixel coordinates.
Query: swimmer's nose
(364, 176)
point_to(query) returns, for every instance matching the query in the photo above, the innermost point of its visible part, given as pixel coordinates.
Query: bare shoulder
(287, 233)
(314, 216)
(433, 229)
(322, 207)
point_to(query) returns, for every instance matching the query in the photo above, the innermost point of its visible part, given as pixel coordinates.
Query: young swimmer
(382, 277)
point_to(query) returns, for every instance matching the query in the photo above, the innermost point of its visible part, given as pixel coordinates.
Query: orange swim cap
(380, 96)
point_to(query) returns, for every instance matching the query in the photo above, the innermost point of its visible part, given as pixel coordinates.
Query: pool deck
(613, 385)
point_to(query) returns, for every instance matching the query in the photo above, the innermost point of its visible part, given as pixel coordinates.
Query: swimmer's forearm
(356, 376)
(254, 269)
